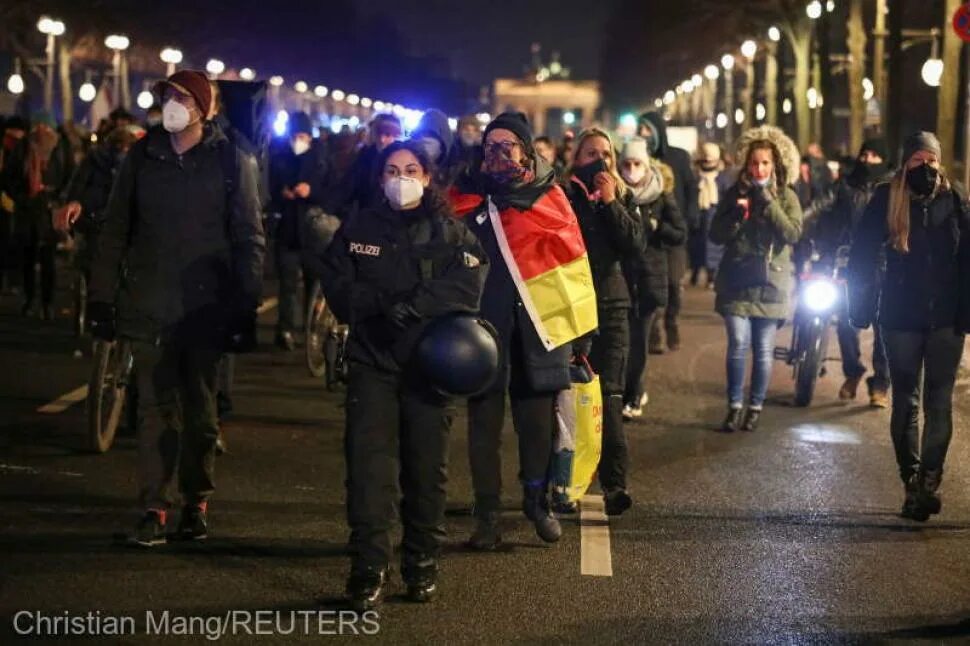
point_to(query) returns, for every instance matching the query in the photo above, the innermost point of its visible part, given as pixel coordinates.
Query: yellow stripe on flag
(565, 300)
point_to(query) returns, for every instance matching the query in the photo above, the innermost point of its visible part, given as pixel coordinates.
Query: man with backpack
(178, 272)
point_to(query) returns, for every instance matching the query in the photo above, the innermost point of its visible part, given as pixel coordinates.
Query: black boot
(487, 536)
(364, 587)
(617, 501)
(535, 505)
(929, 499)
(420, 575)
(733, 420)
(751, 419)
(910, 500)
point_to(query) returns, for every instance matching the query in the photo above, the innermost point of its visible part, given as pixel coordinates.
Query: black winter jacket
(646, 273)
(36, 211)
(925, 289)
(612, 234)
(182, 245)
(381, 257)
(685, 182)
(286, 170)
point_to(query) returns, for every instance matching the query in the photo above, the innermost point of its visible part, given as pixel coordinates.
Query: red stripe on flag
(545, 236)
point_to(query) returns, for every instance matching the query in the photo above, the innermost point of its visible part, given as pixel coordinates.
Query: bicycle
(326, 341)
(109, 393)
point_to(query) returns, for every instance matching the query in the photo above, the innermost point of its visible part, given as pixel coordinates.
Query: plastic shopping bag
(579, 438)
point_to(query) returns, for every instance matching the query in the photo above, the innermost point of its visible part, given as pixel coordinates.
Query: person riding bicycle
(831, 229)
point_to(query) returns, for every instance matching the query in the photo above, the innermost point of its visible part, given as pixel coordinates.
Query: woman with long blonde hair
(920, 222)
(612, 232)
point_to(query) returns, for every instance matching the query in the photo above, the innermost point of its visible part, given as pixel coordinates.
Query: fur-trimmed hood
(790, 159)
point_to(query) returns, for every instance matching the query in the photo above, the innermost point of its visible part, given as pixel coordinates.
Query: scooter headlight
(820, 295)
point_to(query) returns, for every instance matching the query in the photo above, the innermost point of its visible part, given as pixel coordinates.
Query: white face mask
(634, 176)
(761, 182)
(300, 146)
(403, 191)
(175, 116)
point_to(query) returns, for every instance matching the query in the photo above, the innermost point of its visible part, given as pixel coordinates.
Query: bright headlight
(819, 295)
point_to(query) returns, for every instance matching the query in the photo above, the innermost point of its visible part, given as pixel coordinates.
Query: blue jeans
(744, 333)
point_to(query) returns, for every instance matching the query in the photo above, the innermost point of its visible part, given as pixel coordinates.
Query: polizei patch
(365, 249)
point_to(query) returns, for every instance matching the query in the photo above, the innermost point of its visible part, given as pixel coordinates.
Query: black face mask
(863, 173)
(586, 174)
(922, 179)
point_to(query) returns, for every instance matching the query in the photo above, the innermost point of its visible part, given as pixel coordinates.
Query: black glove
(402, 315)
(101, 320)
(241, 332)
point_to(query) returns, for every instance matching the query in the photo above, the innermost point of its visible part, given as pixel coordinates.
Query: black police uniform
(386, 272)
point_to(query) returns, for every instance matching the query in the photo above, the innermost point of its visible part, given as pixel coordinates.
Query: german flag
(544, 250)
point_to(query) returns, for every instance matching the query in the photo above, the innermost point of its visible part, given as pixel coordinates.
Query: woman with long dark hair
(919, 221)
(757, 221)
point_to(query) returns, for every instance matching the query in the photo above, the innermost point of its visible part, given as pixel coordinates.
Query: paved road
(786, 535)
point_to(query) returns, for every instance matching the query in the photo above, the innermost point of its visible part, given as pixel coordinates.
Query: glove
(241, 332)
(101, 320)
(401, 315)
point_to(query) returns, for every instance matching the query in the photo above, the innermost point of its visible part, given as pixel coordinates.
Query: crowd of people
(173, 220)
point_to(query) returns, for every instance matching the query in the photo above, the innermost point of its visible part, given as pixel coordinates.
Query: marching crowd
(566, 254)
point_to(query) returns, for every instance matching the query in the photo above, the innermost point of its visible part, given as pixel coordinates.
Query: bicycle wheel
(107, 390)
(813, 364)
(316, 332)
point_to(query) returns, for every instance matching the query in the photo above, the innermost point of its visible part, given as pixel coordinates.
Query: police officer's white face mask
(175, 116)
(403, 192)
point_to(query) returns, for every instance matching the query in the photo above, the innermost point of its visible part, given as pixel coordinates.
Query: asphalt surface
(786, 535)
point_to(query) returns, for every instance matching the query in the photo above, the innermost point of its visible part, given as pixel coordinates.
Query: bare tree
(856, 42)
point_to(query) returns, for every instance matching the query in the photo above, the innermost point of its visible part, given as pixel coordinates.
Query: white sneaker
(627, 412)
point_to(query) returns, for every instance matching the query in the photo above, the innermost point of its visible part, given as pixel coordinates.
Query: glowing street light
(669, 97)
(628, 120)
(760, 112)
(774, 34)
(727, 62)
(247, 74)
(338, 95)
(748, 49)
(658, 103)
(932, 71)
(15, 84)
(739, 116)
(276, 81)
(696, 79)
(171, 57)
(569, 118)
(353, 99)
(145, 99)
(215, 67)
(722, 120)
(814, 9)
(868, 89)
(365, 102)
(117, 42)
(52, 29)
(87, 92)
(320, 91)
(786, 106)
(712, 72)
(301, 86)
(830, 6)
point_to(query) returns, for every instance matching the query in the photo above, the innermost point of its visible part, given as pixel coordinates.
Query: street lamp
(276, 81)
(739, 116)
(774, 34)
(658, 103)
(786, 106)
(722, 120)
(812, 97)
(569, 118)
(118, 44)
(171, 57)
(712, 72)
(696, 80)
(760, 112)
(87, 92)
(15, 84)
(365, 102)
(247, 74)
(337, 95)
(748, 49)
(215, 67)
(52, 29)
(669, 97)
(145, 99)
(814, 9)
(932, 71)
(830, 6)
(320, 91)
(727, 62)
(353, 99)
(378, 106)
(868, 89)
(301, 86)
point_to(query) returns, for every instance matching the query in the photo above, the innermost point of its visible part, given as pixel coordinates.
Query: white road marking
(65, 401)
(268, 304)
(594, 532)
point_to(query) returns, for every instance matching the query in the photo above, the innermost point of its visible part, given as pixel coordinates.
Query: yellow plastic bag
(579, 441)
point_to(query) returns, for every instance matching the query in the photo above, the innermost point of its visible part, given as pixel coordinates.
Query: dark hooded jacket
(545, 370)
(286, 170)
(434, 123)
(685, 183)
(182, 246)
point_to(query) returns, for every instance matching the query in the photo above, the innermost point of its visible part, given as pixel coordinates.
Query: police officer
(389, 269)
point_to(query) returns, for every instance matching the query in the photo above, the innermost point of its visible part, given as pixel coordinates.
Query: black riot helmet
(458, 355)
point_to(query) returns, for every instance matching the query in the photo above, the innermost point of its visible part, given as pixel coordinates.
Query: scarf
(708, 196)
(649, 190)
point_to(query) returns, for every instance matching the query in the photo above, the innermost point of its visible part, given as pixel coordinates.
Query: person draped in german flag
(539, 297)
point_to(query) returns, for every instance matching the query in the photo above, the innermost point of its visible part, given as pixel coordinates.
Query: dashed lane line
(595, 556)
